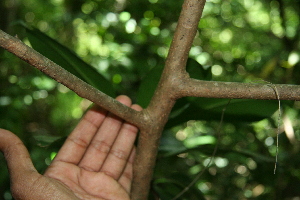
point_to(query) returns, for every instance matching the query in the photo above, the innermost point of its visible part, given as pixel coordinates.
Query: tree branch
(81, 88)
(184, 36)
(232, 90)
(164, 97)
(174, 71)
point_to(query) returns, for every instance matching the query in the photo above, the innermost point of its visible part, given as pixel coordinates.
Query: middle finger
(102, 142)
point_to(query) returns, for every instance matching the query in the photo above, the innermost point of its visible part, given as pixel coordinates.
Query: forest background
(127, 42)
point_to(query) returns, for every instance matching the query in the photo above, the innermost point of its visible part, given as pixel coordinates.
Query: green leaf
(169, 145)
(148, 86)
(197, 71)
(248, 110)
(67, 59)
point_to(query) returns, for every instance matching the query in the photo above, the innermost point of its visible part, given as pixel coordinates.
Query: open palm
(94, 163)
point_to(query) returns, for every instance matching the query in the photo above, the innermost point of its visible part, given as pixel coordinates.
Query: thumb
(18, 159)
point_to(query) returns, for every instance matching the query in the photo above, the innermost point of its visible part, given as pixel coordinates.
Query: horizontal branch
(233, 90)
(81, 88)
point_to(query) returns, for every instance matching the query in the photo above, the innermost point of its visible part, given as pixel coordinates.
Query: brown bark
(175, 83)
(232, 90)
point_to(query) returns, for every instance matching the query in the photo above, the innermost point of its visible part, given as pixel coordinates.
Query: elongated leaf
(241, 107)
(248, 110)
(67, 59)
(169, 145)
(148, 86)
(197, 71)
(150, 82)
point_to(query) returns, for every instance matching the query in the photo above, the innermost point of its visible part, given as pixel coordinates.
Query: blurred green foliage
(127, 42)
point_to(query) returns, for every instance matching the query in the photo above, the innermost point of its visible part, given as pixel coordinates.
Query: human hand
(95, 161)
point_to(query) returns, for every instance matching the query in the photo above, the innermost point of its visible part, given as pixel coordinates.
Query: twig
(278, 124)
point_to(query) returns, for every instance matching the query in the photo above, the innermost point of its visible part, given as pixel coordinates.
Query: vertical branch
(184, 35)
(164, 97)
(145, 162)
